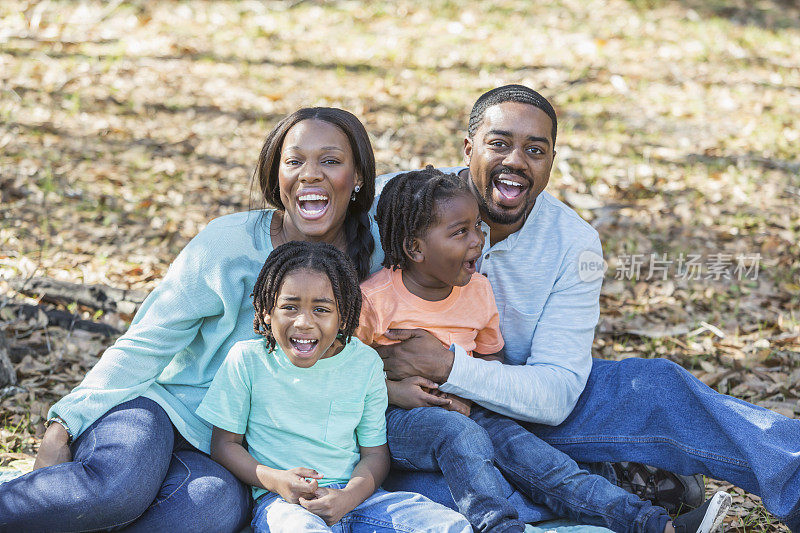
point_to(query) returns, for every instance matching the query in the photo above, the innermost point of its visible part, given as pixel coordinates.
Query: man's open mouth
(508, 189)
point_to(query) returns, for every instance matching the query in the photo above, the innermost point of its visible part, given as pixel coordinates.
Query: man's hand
(54, 449)
(414, 392)
(329, 504)
(292, 484)
(417, 354)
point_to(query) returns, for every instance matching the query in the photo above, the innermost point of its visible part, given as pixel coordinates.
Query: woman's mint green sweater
(183, 330)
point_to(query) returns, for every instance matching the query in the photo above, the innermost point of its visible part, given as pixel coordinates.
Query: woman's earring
(355, 191)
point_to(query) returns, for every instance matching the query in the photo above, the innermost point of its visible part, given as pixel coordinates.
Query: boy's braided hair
(317, 257)
(407, 207)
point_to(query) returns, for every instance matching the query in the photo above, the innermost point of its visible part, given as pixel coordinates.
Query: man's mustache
(505, 170)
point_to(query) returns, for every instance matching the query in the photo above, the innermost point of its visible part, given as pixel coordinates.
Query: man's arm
(546, 388)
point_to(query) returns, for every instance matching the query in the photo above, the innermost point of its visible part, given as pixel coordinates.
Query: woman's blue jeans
(131, 471)
(655, 412)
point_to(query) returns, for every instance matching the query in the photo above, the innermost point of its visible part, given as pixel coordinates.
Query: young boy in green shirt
(311, 401)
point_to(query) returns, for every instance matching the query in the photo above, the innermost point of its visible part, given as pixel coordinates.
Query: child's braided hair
(407, 208)
(317, 257)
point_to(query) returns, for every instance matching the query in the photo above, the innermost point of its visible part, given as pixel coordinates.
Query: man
(536, 255)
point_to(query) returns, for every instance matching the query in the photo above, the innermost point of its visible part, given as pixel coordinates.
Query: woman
(125, 450)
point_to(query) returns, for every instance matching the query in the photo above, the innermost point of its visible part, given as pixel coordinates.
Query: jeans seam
(647, 440)
(156, 503)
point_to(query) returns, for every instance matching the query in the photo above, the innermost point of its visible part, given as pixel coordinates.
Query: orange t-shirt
(468, 317)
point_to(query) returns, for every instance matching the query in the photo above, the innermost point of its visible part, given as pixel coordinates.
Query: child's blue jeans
(475, 453)
(383, 512)
(130, 470)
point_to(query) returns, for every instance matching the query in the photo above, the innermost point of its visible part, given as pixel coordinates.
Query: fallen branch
(108, 299)
(63, 319)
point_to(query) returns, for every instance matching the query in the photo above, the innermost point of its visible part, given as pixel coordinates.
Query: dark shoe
(707, 518)
(673, 492)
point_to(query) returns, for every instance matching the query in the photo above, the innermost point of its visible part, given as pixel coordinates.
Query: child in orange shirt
(431, 235)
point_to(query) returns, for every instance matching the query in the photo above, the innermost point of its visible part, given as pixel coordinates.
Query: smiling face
(305, 319)
(510, 157)
(316, 176)
(445, 255)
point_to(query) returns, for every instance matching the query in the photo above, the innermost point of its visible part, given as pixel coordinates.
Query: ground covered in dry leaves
(126, 126)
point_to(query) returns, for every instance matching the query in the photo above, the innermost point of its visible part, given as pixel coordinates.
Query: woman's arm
(227, 450)
(193, 289)
(332, 504)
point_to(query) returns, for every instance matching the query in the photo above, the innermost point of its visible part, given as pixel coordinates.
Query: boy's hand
(292, 484)
(414, 392)
(329, 504)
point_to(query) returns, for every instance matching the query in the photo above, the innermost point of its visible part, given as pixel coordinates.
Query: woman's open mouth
(312, 205)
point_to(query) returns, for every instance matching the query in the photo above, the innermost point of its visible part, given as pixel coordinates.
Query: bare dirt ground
(126, 126)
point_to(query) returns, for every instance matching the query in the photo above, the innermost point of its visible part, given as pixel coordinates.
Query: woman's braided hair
(407, 208)
(360, 243)
(317, 257)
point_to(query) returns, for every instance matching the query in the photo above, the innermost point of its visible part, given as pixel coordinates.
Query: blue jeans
(130, 471)
(655, 412)
(472, 453)
(433, 439)
(381, 512)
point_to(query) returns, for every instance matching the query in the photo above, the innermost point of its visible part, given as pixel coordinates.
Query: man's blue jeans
(472, 453)
(383, 512)
(655, 412)
(130, 471)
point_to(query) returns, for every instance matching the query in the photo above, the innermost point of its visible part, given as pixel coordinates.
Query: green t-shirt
(301, 417)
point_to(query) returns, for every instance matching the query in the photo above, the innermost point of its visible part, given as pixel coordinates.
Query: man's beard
(496, 214)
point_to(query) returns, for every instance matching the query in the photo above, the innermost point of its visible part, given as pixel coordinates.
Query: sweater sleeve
(166, 324)
(547, 387)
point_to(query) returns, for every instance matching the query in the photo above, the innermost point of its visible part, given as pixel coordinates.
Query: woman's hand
(330, 504)
(417, 354)
(294, 485)
(414, 392)
(54, 449)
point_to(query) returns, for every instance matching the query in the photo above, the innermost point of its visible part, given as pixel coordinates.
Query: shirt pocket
(518, 329)
(343, 419)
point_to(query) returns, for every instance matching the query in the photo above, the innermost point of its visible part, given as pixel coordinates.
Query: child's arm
(332, 504)
(292, 485)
